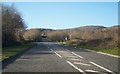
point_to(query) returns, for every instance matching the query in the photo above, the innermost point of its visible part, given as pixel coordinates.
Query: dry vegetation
(57, 35)
(32, 35)
(103, 37)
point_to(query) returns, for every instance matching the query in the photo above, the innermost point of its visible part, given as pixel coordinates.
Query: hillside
(82, 28)
(89, 28)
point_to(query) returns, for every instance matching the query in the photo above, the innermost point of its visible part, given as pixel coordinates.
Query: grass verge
(61, 43)
(7, 52)
(113, 51)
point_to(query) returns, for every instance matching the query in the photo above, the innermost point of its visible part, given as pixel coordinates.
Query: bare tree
(11, 24)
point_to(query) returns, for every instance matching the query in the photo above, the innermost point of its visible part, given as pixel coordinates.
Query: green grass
(61, 42)
(7, 52)
(113, 51)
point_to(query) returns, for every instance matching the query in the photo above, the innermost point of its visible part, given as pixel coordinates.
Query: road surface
(53, 57)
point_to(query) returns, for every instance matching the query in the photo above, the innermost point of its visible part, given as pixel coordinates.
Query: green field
(7, 52)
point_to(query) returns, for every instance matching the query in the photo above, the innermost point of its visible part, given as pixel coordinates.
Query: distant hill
(89, 28)
(115, 26)
(42, 29)
(83, 28)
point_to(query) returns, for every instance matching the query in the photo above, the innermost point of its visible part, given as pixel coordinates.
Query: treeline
(14, 28)
(102, 37)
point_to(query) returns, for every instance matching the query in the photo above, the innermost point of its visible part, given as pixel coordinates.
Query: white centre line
(102, 67)
(80, 70)
(82, 63)
(77, 55)
(58, 55)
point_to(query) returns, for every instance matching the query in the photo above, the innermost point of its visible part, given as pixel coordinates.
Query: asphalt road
(52, 57)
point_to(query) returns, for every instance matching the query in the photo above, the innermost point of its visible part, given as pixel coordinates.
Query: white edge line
(109, 54)
(80, 70)
(58, 55)
(77, 55)
(101, 67)
(103, 53)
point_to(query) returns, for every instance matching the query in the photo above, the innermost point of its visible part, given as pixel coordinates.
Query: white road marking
(74, 59)
(81, 63)
(48, 47)
(92, 71)
(58, 55)
(77, 55)
(102, 67)
(80, 70)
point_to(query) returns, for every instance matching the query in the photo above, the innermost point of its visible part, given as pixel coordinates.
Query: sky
(62, 15)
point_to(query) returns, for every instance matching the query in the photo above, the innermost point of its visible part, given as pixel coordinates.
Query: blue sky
(62, 15)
